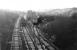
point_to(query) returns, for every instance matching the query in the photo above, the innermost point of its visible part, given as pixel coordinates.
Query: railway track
(28, 38)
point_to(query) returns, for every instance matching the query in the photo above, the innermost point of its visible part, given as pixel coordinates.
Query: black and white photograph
(38, 24)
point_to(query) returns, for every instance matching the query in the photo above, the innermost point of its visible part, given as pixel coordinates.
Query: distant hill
(66, 11)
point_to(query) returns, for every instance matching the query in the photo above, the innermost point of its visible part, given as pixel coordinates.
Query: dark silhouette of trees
(65, 29)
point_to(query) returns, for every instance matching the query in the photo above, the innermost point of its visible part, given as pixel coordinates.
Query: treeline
(65, 29)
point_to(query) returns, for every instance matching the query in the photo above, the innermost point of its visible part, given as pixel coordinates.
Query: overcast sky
(37, 5)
